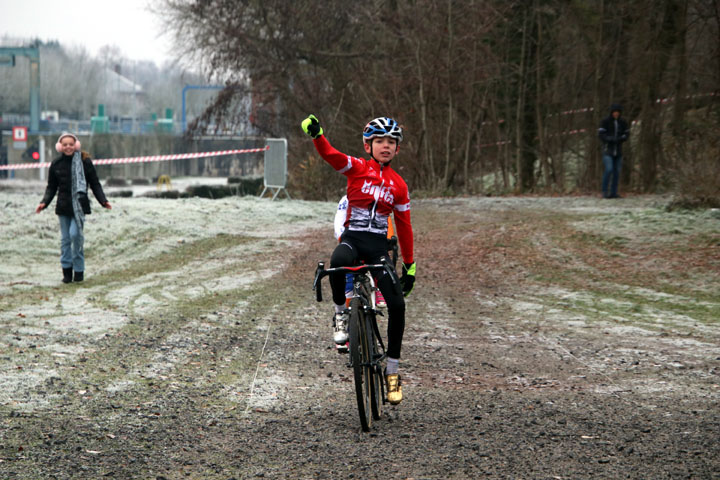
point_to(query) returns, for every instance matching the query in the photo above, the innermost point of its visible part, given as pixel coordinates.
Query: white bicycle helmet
(382, 127)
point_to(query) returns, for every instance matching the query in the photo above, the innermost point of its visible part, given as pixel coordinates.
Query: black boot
(78, 277)
(67, 275)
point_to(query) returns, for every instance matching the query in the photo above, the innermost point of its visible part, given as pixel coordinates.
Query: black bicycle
(367, 350)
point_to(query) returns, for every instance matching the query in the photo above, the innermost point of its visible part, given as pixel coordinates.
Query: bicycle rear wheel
(360, 358)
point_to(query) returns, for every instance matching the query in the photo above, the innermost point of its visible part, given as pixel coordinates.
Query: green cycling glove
(408, 278)
(311, 126)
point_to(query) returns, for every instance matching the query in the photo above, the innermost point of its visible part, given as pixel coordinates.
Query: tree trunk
(519, 113)
(542, 147)
(424, 118)
(591, 179)
(666, 37)
(451, 106)
(503, 150)
(680, 103)
(472, 128)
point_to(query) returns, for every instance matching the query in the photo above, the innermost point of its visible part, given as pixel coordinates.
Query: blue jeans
(71, 244)
(612, 174)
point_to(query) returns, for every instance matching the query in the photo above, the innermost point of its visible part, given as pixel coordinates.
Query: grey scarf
(79, 187)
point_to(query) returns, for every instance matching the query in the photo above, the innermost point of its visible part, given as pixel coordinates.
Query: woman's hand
(40, 208)
(107, 205)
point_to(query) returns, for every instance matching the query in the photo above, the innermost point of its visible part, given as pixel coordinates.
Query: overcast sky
(90, 23)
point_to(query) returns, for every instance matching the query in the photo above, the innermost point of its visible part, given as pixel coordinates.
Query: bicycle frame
(363, 287)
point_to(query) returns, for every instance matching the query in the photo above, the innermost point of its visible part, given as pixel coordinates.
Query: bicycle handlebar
(321, 272)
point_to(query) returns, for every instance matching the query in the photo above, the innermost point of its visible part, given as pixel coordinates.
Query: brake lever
(388, 270)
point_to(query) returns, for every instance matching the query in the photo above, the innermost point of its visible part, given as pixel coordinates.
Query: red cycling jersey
(374, 192)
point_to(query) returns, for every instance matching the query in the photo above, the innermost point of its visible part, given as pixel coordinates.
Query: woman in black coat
(70, 175)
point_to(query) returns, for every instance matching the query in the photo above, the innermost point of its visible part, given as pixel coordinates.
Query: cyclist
(374, 191)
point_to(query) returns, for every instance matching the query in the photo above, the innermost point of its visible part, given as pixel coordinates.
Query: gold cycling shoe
(394, 388)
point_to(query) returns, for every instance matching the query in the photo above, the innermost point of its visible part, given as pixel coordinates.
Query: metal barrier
(275, 167)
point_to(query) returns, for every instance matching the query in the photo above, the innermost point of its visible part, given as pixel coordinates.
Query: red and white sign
(19, 134)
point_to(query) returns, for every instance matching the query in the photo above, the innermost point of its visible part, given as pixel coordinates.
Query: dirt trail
(547, 338)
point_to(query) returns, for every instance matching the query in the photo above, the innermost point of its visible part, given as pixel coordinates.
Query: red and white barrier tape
(568, 132)
(495, 144)
(571, 112)
(687, 97)
(151, 158)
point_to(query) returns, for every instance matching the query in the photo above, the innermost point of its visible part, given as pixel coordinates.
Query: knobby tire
(360, 357)
(377, 390)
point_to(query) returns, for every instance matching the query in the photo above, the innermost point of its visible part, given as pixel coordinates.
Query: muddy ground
(547, 338)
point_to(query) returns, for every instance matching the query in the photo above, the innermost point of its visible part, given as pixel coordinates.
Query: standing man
(613, 132)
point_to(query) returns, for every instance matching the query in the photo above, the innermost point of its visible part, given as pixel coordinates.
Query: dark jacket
(613, 132)
(59, 180)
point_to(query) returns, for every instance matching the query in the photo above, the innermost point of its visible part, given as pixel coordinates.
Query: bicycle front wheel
(377, 377)
(361, 362)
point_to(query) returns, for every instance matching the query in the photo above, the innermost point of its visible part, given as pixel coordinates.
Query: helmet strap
(372, 155)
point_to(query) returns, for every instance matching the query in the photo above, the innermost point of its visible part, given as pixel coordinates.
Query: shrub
(121, 193)
(116, 182)
(210, 191)
(173, 194)
(696, 175)
(247, 185)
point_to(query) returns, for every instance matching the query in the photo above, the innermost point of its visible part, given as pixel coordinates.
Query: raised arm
(341, 162)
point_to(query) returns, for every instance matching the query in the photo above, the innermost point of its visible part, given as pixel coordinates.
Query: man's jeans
(71, 244)
(612, 175)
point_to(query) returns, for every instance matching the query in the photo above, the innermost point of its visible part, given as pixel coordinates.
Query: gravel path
(547, 338)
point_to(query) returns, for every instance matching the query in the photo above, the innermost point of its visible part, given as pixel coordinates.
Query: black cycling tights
(369, 247)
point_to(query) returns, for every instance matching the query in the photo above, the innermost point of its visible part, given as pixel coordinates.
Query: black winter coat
(613, 133)
(59, 180)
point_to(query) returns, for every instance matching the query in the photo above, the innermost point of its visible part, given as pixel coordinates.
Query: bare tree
(464, 78)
